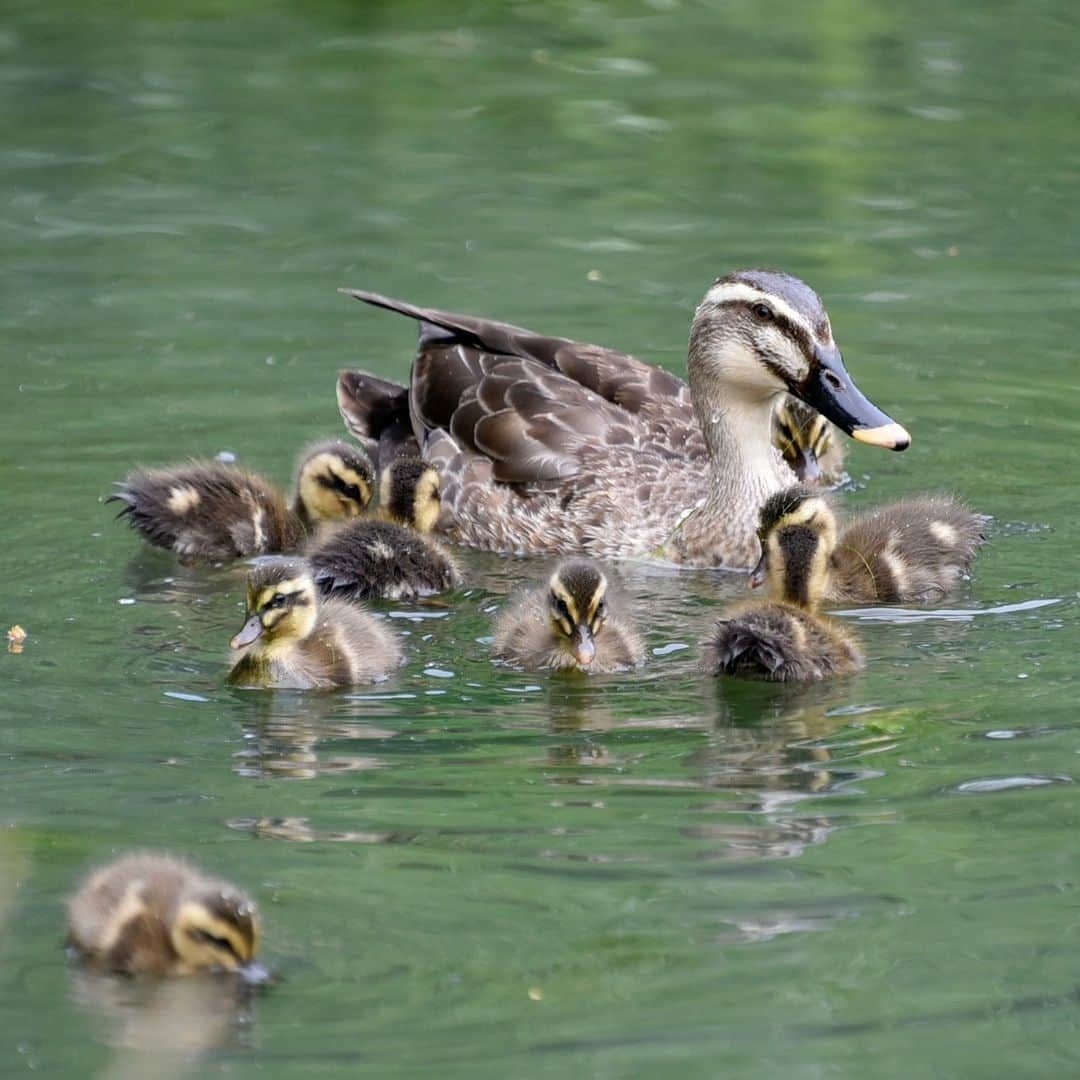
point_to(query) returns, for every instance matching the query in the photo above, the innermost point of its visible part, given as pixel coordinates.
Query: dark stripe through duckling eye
(204, 937)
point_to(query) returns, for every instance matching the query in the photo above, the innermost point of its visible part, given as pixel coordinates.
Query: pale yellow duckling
(394, 558)
(915, 550)
(783, 639)
(293, 640)
(210, 509)
(808, 442)
(573, 623)
(158, 915)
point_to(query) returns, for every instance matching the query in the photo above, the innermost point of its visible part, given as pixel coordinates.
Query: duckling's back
(914, 550)
(779, 643)
(210, 510)
(369, 559)
(133, 894)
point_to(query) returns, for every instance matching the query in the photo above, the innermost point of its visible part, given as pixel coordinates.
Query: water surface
(470, 869)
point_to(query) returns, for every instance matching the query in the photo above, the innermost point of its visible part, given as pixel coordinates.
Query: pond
(468, 869)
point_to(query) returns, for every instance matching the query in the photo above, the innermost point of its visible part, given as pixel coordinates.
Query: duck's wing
(458, 353)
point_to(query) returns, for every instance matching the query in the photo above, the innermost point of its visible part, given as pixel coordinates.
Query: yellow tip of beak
(890, 436)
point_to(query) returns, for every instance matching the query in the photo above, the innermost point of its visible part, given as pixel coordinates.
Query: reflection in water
(772, 755)
(300, 830)
(165, 1027)
(283, 732)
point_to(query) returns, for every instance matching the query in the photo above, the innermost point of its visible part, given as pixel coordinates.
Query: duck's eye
(763, 312)
(559, 604)
(275, 601)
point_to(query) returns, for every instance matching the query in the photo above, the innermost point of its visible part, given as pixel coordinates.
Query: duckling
(292, 640)
(783, 639)
(572, 623)
(155, 914)
(393, 558)
(808, 443)
(218, 511)
(911, 551)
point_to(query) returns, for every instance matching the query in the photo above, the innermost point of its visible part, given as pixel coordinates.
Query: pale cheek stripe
(728, 291)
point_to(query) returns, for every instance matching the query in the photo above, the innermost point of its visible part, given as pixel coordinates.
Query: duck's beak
(582, 645)
(830, 390)
(807, 468)
(249, 632)
(757, 575)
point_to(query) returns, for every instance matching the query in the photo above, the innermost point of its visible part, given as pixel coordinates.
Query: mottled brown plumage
(292, 640)
(550, 445)
(783, 639)
(394, 558)
(574, 622)
(155, 914)
(209, 509)
(808, 442)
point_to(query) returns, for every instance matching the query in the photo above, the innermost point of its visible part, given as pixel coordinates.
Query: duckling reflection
(164, 1028)
(300, 830)
(282, 742)
(771, 755)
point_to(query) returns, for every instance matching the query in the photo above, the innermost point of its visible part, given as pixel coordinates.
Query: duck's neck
(745, 470)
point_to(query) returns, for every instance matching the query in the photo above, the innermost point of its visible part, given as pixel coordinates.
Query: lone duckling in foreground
(571, 623)
(154, 914)
(911, 551)
(394, 558)
(212, 510)
(808, 443)
(783, 639)
(292, 640)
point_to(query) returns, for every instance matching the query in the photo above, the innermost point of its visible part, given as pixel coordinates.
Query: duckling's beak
(254, 974)
(249, 632)
(807, 468)
(757, 575)
(830, 390)
(582, 645)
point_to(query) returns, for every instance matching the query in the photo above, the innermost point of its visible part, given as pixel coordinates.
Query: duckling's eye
(275, 601)
(763, 312)
(220, 943)
(559, 604)
(353, 492)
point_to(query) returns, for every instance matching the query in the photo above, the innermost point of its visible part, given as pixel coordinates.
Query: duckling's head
(282, 603)
(804, 437)
(216, 927)
(333, 481)
(409, 493)
(578, 607)
(797, 531)
(758, 333)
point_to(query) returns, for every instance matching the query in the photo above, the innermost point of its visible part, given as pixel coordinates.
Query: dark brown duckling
(209, 509)
(572, 623)
(393, 558)
(158, 915)
(293, 640)
(915, 550)
(783, 639)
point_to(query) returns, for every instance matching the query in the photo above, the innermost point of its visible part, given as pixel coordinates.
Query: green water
(468, 870)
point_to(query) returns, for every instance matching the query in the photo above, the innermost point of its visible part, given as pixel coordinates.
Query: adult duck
(547, 445)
